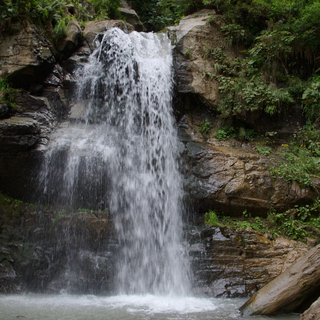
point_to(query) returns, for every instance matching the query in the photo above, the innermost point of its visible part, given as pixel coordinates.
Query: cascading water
(121, 152)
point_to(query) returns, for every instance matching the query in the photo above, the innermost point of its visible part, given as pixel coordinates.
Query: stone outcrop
(96, 28)
(313, 313)
(232, 177)
(193, 38)
(68, 44)
(131, 17)
(18, 134)
(291, 291)
(25, 55)
(237, 263)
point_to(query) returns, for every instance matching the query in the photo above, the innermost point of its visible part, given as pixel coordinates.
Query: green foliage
(293, 222)
(243, 87)
(301, 160)
(6, 92)
(58, 217)
(157, 14)
(280, 36)
(265, 151)
(221, 135)
(271, 46)
(234, 33)
(311, 100)
(188, 54)
(205, 127)
(211, 219)
(296, 223)
(56, 12)
(309, 138)
(38, 11)
(238, 132)
(297, 164)
(60, 29)
(106, 9)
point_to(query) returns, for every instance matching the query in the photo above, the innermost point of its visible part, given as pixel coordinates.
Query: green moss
(298, 223)
(211, 219)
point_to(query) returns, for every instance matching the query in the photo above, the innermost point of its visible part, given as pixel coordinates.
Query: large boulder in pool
(292, 291)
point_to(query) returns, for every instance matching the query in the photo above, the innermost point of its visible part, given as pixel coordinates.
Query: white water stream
(120, 151)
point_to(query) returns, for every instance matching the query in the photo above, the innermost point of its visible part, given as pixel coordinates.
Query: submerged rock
(291, 291)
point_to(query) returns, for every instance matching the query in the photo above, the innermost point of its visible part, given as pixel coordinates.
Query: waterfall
(119, 150)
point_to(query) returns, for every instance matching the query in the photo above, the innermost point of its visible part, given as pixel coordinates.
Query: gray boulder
(131, 17)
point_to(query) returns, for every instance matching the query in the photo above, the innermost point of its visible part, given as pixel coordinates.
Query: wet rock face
(232, 179)
(25, 55)
(48, 252)
(26, 127)
(233, 264)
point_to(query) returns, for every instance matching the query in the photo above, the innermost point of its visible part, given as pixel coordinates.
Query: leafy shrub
(106, 9)
(296, 223)
(298, 165)
(205, 127)
(211, 219)
(265, 151)
(311, 100)
(310, 138)
(270, 46)
(221, 135)
(61, 28)
(234, 33)
(293, 222)
(6, 92)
